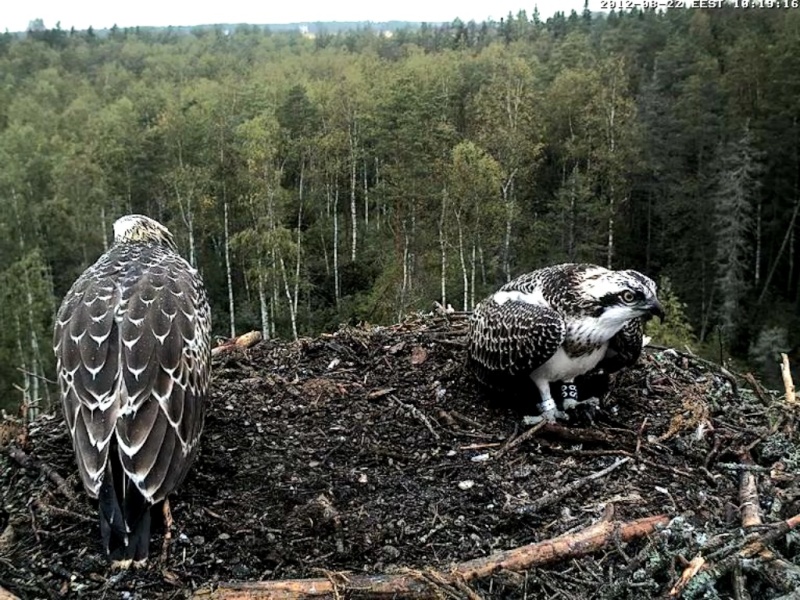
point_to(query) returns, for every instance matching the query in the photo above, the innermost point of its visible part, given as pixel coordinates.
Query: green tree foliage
(358, 176)
(676, 330)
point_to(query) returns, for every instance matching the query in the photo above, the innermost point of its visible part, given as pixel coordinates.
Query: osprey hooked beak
(655, 309)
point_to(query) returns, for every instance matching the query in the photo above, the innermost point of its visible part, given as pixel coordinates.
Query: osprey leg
(167, 529)
(547, 406)
(569, 397)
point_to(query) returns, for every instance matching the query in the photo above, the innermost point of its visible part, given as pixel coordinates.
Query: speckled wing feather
(511, 338)
(133, 349)
(86, 343)
(166, 355)
(625, 348)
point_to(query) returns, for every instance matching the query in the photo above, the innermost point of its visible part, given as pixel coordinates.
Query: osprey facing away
(558, 323)
(132, 343)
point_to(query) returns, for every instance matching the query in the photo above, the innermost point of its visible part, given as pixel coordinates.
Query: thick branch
(748, 496)
(788, 384)
(6, 595)
(246, 340)
(416, 585)
(27, 462)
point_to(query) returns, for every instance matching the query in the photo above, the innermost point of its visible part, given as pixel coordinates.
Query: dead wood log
(244, 341)
(6, 595)
(788, 384)
(27, 462)
(748, 495)
(416, 585)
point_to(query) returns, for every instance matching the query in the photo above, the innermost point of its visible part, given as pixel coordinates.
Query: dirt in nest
(371, 450)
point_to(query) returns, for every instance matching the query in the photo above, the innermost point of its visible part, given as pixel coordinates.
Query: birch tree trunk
(27, 402)
(291, 302)
(472, 278)
(274, 299)
(405, 285)
(353, 215)
(463, 261)
(336, 244)
(187, 215)
(31, 379)
(366, 198)
(443, 248)
(262, 303)
(508, 199)
(228, 274)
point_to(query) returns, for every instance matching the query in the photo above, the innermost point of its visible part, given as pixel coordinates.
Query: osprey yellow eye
(627, 297)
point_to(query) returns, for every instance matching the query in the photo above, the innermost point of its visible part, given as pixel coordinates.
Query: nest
(367, 463)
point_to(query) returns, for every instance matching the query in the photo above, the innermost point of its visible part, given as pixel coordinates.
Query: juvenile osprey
(557, 323)
(133, 358)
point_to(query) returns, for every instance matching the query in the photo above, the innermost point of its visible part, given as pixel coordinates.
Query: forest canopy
(359, 175)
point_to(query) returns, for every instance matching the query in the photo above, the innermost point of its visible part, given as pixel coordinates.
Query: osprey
(557, 323)
(132, 344)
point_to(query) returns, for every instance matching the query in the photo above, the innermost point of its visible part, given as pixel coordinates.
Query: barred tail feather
(124, 526)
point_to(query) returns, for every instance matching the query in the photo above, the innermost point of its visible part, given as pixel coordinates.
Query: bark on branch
(27, 462)
(788, 384)
(6, 595)
(412, 584)
(244, 341)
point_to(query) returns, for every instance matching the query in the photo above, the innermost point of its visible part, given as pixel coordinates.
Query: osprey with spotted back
(558, 323)
(132, 343)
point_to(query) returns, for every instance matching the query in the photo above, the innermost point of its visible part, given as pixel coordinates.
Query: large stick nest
(372, 451)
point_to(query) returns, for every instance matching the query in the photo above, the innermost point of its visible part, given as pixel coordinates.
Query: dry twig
(752, 546)
(572, 487)
(694, 567)
(757, 388)
(409, 585)
(516, 441)
(417, 413)
(27, 462)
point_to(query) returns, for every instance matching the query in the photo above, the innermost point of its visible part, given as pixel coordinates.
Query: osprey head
(619, 296)
(138, 228)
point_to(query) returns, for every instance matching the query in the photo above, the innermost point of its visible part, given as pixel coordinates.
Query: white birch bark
(262, 303)
(336, 244)
(464, 273)
(228, 270)
(443, 248)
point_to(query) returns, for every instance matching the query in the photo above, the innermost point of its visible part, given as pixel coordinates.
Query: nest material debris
(371, 454)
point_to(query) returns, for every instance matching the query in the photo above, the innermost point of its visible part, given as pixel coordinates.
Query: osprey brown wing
(86, 342)
(165, 360)
(512, 338)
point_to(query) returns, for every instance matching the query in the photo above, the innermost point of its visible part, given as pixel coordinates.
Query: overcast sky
(16, 14)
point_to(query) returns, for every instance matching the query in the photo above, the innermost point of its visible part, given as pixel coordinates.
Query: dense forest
(359, 175)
